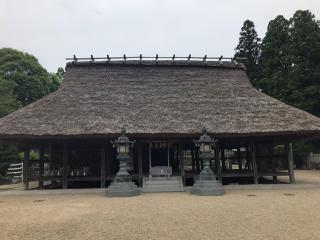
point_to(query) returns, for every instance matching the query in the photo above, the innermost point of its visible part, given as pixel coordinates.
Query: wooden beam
(290, 163)
(140, 172)
(26, 161)
(218, 164)
(103, 164)
(41, 168)
(254, 161)
(65, 166)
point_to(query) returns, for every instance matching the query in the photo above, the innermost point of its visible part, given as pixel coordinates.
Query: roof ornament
(75, 58)
(204, 61)
(173, 57)
(157, 58)
(108, 57)
(220, 60)
(234, 60)
(140, 58)
(189, 59)
(124, 58)
(92, 58)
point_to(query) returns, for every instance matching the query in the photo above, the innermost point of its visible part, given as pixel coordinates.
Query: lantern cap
(123, 139)
(205, 138)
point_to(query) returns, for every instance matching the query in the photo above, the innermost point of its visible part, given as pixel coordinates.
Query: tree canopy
(286, 65)
(22, 81)
(249, 48)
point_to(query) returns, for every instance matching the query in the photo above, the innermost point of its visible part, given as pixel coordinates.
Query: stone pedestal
(207, 185)
(122, 189)
(122, 185)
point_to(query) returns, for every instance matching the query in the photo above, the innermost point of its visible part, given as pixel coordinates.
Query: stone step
(163, 189)
(163, 184)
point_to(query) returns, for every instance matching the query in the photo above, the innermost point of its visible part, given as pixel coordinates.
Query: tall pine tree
(249, 48)
(274, 60)
(304, 52)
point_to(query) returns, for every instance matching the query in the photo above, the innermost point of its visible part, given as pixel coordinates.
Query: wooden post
(239, 158)
(223, 159)
(248, 159)
(290, 163)
(217, 158)
(50, 160)
(41, 167)
(181, 160)
(103, 164)
(150, 157)
(254, 162)
(140, 172)
(196, 154)
(26, 171)
(193, 160)
(274, 177)
(65, 166)
(108, 159)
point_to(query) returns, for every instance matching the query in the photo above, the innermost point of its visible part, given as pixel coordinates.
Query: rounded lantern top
(205, 137)
(123, 138)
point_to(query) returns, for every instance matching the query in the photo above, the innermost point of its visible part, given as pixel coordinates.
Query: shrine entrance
(163, 159)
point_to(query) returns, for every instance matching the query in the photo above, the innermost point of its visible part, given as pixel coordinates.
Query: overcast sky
(54, 29)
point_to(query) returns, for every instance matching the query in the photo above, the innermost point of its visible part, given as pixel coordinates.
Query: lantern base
(122, 189)
(207, 188)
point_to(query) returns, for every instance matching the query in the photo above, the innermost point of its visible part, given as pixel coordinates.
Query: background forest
(285, 64)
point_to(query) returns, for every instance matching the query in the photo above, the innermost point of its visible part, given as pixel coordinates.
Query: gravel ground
(239, 214)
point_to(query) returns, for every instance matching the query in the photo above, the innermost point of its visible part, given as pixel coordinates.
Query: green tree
(22, 81)
(274, 61)
(304, 52)
(31, 80)
(249, 48)
(8, 102)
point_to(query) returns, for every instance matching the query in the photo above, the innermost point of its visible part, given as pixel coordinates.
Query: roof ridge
(223, 62)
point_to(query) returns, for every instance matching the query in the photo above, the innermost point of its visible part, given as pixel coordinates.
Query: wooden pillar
(26, 161)
(223, 159)
(50, 160)
(103, 164)
(196, 154)
(248, 159)
(140, 172)
(181, 161)
(274, 177)
(217, 158)
(193, 160)
(239, 158)
(41, 167)
(290, 163)
(108, 152)
(150, 157)
(65, 166)
(254, 162)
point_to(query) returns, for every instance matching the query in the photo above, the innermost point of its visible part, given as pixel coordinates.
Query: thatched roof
(97, 99)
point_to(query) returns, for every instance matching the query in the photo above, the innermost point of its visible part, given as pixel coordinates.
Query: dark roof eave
(291, 134)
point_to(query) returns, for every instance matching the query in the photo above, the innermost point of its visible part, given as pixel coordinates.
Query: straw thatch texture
(98, 99)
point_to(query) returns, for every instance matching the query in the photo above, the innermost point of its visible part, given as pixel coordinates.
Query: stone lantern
(122, 185)
(206, 185)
